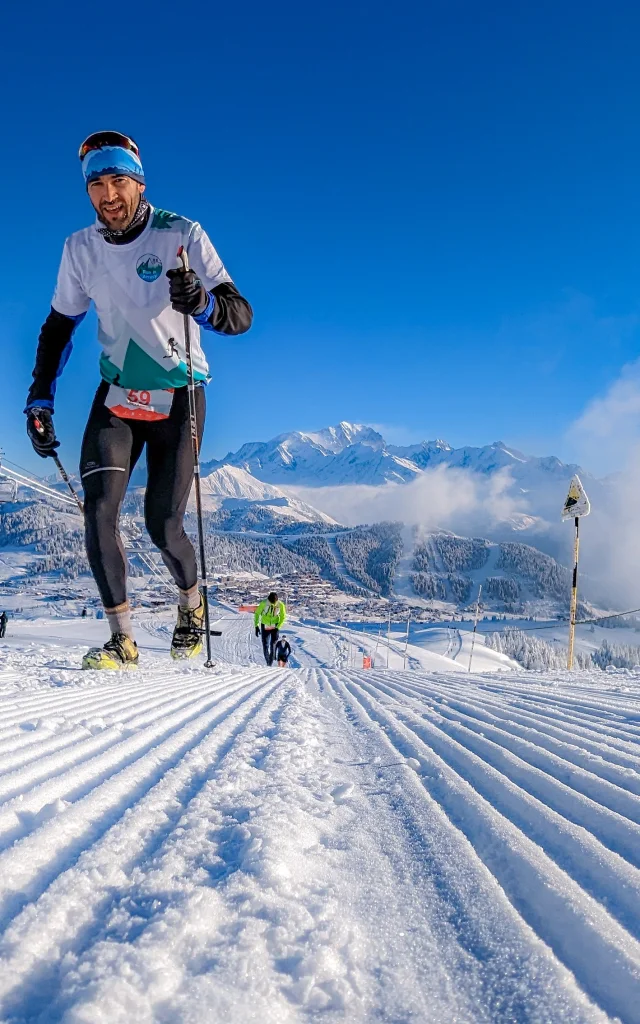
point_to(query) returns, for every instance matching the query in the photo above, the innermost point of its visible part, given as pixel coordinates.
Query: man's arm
(226, 312)
(54, 349)
(282, 615)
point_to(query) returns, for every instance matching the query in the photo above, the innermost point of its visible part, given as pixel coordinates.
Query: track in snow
(239, 645)
(286, 846)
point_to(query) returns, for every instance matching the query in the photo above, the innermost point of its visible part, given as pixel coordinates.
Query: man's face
(115, 198)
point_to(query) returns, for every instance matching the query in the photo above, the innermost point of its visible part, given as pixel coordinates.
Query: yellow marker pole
(574, 596)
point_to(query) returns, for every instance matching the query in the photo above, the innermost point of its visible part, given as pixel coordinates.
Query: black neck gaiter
(135, 228)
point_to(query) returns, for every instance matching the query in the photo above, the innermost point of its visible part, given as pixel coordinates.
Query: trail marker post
(375, 653)
(475, 626)
(406, 643)
(576, 505)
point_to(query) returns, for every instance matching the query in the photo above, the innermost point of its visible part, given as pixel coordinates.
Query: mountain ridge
(353, 453)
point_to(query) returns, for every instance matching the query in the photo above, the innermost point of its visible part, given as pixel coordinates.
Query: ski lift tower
(8, 487)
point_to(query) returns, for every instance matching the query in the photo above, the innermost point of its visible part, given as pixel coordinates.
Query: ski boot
(118, 652)
(187, 636)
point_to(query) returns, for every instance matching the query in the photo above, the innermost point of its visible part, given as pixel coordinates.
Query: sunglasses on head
(101, 139)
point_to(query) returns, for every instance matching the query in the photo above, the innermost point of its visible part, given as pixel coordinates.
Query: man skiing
(3, 625)
(282, 651)
(268, 620)
(121, 264)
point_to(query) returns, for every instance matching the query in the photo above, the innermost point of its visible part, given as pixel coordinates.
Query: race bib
(130, 404)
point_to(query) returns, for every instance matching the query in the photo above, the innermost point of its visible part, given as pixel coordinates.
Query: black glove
(257, 631)
(42, 432)
(187, 292)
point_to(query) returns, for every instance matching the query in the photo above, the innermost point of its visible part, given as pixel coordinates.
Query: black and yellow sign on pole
(575, 506)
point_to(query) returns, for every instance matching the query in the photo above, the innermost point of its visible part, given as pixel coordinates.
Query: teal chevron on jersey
(141, 372)
(163, 220)
(140, 367)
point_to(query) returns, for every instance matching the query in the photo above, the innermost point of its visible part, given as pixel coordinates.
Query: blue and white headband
(112, 160)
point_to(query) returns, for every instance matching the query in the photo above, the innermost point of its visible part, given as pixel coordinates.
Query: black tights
(110, 449)
(269, 641)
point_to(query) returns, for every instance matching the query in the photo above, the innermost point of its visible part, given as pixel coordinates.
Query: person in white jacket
(126, 265)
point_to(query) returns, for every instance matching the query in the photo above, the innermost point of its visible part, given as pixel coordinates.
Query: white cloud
(453, 499)
(608, 430)
(607, 436)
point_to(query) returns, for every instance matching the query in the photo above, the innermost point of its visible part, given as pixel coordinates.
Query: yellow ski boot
(187, 636)
(118, 652)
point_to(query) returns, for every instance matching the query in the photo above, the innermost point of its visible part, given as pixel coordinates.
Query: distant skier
(120, 264)
(268, 620)
(84, 613)
(3, 624)
(282, 651)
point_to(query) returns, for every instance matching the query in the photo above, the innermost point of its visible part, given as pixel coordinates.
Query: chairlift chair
(8, 489)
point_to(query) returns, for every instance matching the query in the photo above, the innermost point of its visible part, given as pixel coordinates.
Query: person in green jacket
(268, 619)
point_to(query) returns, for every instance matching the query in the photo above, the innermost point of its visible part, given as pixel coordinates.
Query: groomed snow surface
(316, 843)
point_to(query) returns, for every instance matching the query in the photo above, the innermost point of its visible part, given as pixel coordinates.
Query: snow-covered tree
(616, 655)
(371, 554)
(543, 574)
(501, 588)
(533, 652)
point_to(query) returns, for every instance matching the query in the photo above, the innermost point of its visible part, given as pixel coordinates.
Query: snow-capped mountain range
(355, 454)
(348, 453)
(240, 497)
(352, 453)
(256, 487)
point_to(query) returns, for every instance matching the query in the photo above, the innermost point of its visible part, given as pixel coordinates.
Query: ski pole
(62, 471)
(191, 388)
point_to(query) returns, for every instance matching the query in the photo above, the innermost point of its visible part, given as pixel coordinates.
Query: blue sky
(432, 206)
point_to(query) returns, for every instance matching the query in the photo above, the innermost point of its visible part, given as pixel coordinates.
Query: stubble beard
(122, 219)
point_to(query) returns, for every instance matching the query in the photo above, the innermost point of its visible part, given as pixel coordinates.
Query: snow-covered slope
(273, 515)
(514, 576)
(234, 482)
(238, 501)
(243, 844)
(432, 648)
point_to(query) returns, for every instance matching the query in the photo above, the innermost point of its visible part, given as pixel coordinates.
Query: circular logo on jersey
(149, 267)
